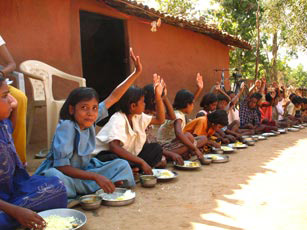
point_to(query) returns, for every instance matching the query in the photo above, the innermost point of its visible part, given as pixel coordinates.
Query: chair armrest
(80, 80)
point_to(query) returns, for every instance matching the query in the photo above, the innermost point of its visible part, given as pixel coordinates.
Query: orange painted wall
(50, 31)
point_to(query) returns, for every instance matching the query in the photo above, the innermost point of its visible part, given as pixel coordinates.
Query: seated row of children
(145, 132)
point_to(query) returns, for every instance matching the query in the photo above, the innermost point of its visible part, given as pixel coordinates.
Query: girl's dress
(74, 147)
(17, 187)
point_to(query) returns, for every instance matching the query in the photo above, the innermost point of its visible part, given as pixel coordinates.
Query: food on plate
(164, 174)
(191, 164)
(226, 148)
(60, 223)
(238, 144)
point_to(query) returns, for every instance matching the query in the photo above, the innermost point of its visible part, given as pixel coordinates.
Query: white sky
(202, 4)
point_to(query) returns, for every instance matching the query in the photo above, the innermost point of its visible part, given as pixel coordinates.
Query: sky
(302, 57)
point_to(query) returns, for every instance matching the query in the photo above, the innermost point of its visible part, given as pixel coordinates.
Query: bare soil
(262, 187)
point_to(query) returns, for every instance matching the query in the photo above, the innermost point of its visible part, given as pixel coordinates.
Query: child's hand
(199, 154)
(136, 60)
(13, 101)
(146, 168)
(177, 158)
(158, 84)
(105, 184)
(242, 85)
(199, 81)
(28, 218)
(217, 86)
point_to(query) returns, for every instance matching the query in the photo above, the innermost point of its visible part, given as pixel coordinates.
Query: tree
(181, 8)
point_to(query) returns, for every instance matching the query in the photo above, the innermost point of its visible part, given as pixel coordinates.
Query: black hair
(268, 97)
(292, 95)
(258, 96)
(208, 99)
(297, 100)
(304, 100)
(132, 95)
(182, 99)
(2, 79)
(75, 96)
(149, 97)
(222, 97)
(218, 117)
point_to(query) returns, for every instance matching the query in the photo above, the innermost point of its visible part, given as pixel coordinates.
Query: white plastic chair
(40, 76)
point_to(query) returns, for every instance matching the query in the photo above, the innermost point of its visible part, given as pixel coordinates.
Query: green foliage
(177, 7)
(298, 77)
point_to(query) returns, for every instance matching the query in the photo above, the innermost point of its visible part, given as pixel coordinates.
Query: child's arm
(200, 86)
(160, 113)
(9, 62)
(170, 114)
(14, 105)
(218, 89)
(26, 217)
(116, 148)
(102, 181)
(184, 139)
(119, 91)
(235, 100)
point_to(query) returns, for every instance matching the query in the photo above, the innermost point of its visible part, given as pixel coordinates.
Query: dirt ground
(262, 187)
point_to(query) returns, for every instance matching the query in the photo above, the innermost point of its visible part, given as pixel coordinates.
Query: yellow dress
(19, 134)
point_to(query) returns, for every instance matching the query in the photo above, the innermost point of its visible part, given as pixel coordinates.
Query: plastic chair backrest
(20, 82)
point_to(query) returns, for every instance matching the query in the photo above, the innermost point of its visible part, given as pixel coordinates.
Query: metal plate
(186, 165)
(159, 174)
(217, 158)
(304, 124)
(110, 199)
(227, 149)
(261, 137)
(282, 131)
(242, 146)
(293, 129)
(268, 134)
(66, 212)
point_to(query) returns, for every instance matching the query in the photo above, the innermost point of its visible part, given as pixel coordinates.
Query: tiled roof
(138, 9)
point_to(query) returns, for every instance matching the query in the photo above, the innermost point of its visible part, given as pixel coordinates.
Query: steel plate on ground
(120, 197)
(238, 146)
(217, 158)
(80, 217)
(164, 174)
(188, 165)
(293, 129)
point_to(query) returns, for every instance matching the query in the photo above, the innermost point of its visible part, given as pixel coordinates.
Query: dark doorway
(104, 52)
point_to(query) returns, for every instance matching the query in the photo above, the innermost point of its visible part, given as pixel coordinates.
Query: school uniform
(74, 147)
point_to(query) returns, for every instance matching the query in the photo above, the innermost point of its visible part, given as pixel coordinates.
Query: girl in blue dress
(21, 196)
(70, 157)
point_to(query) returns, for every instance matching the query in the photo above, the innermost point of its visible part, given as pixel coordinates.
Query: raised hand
(136, 61)
(242, 85)
(158, 84)
(217, 86)
(199, 81)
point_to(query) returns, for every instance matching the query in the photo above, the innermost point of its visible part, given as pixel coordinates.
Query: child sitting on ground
(21, 196)
(124, 135)
(150, 108)
(170, 134)
(208, 125)
(70, 156)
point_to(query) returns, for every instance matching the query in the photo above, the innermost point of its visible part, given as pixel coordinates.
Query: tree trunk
(258, 43)
(274, 59)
